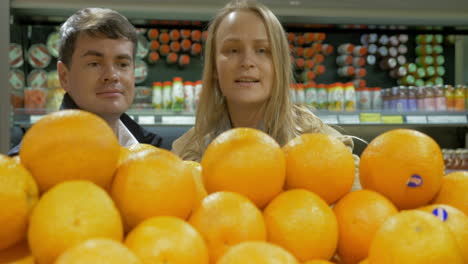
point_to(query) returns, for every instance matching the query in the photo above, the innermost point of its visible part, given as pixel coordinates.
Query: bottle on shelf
(311, 99)
(300, 94)
(377, 101)
(420, 95)
(440, 101)
(157, 97)
(322, 97)
(167, 95)
(459, 98)
(412, 99)
(449, 97)
(429, 99)
(365, 99)
(349, 97)
(189, 97)
(402, 99)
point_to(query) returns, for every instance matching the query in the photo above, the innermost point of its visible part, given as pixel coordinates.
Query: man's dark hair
(95, 22)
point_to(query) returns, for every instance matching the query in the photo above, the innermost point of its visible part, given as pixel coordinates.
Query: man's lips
(111, 92)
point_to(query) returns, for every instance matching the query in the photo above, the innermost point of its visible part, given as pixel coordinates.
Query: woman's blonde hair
(282, 120)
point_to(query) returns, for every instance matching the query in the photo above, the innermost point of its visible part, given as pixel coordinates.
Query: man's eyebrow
(124, 57)
(99, 54)
(92, 53)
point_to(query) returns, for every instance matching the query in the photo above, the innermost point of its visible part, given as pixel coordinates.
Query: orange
(18, 195)
(225, 219)
(454, 191)
(360, 214)
(68, 145)
(126, 152)
(19, 253)
(196, 170)
(257, 253)
(98, 250)
(302, 223)
(456, 221)
(166, 239)
(318, 261)
(153, 182)
(405, 165)
(17, 159)
(69, 213)
(242, 160)
(321, 164)
(365, 261)
(414, 237)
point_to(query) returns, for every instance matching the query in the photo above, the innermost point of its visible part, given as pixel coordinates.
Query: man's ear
(63, 74)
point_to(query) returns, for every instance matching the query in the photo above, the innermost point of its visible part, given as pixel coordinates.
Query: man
(96, 69)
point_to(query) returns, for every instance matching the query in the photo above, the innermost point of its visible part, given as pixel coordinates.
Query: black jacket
(141, 134)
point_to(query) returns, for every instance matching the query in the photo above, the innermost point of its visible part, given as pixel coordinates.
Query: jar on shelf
(412, 99)
(449, 92)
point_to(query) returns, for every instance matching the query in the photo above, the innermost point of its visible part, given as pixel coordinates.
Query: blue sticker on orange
(440, 213)
(415, 181)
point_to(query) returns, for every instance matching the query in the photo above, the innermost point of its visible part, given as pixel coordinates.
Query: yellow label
(370, 117)
(393, 119)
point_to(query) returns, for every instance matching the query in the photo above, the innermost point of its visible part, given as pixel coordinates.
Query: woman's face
(244, 66)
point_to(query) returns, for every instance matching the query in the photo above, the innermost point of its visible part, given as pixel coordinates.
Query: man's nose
(110, 74)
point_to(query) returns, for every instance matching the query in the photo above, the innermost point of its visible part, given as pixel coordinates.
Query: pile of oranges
(75, 196)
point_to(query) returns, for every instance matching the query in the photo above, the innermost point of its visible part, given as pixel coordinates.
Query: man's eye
(124, 65)
(93, 64)
(233, 50)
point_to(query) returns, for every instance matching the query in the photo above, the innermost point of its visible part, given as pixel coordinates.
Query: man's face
(100, 78)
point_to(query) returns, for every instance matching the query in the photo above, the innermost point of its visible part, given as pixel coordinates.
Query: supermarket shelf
(151, 117)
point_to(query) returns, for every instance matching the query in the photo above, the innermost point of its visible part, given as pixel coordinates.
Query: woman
(246, 79)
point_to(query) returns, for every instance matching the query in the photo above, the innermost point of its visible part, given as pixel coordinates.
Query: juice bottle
(459, 98)
(377, 102)
(322, 97)
(311, 95)
(300, 94)
(402, 101)
(339, 97)
(440, 101)
(189, 97)
(157, 99)
(412, 99)
(349, 97)
(331, 96)
(167, 95)
(449, 99)
(420, 95)
(177, 94)
(429, 100)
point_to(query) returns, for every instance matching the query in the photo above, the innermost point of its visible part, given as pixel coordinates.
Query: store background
(451, 14)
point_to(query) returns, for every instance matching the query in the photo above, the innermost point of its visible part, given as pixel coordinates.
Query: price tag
(349, 119)
(34, 118)
(447, 119)
(146, 120)
(329, 119)
(370, 117)
(178, 120)
(418, 119)
(392, 119)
